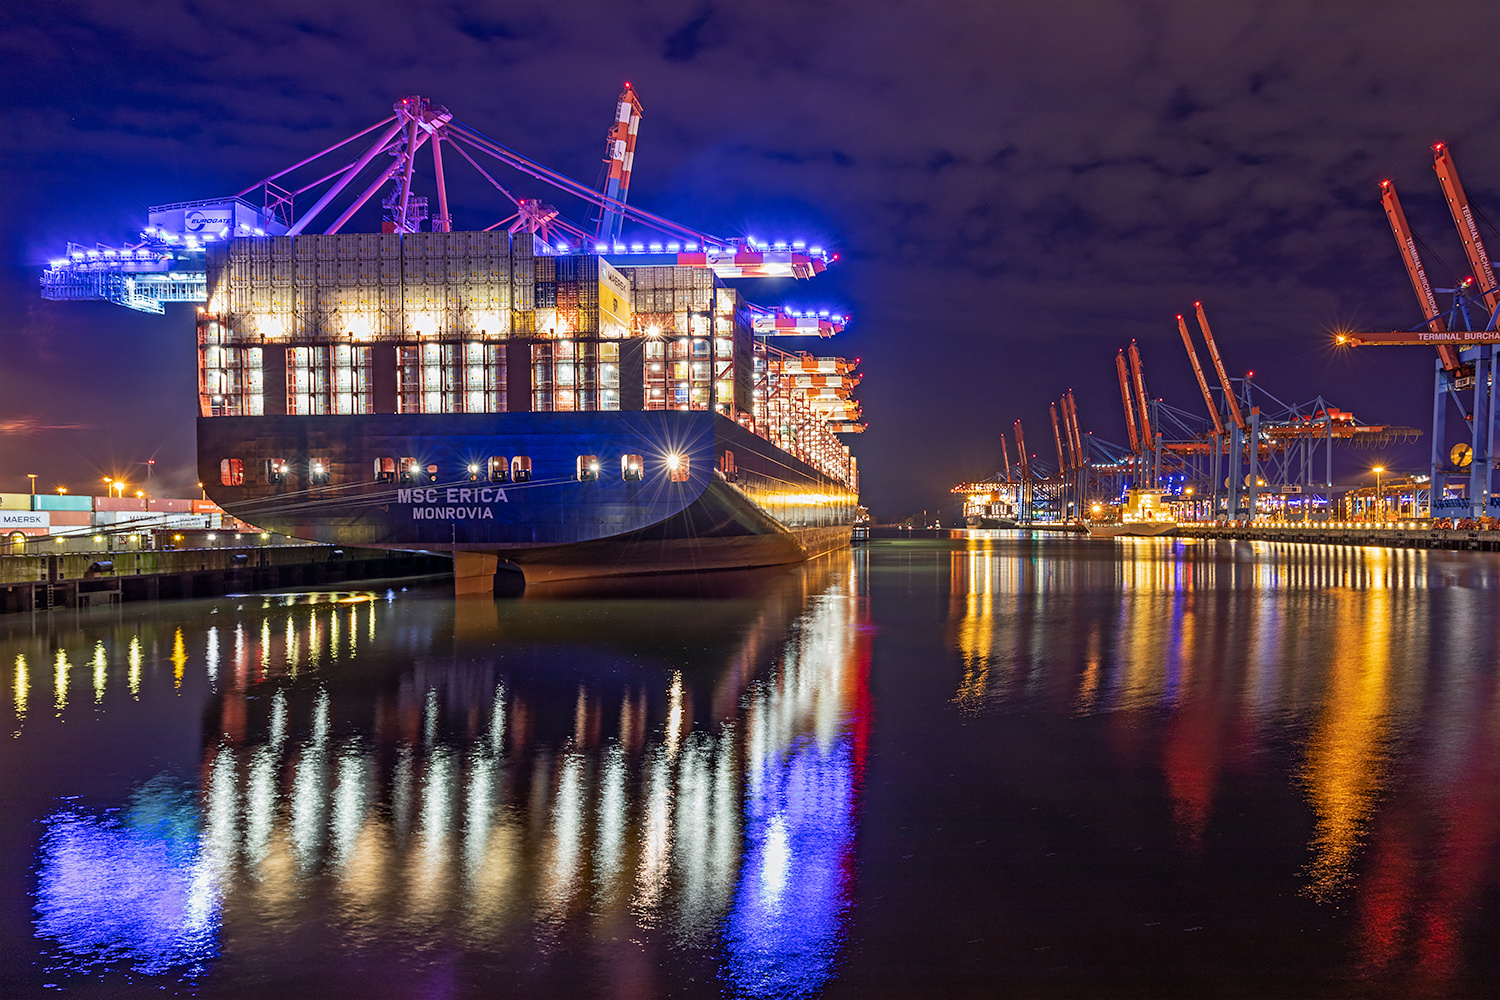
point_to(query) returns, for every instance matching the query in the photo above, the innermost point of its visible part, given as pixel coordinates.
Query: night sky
(1017, 190)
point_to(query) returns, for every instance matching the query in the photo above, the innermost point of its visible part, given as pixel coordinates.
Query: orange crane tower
(1005, 453)
(1071, 412)
(1407, 244)
(1213, 352)
(1468, 230)
(1135, 444)
(1208, 397)
(1148, 438)
(1021, 450)
(1062, 462)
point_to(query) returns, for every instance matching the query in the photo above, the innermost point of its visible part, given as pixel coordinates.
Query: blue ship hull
(741, 501)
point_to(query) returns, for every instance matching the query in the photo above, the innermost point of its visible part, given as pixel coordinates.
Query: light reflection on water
(636, 795)
(429, 792)
(1238, 645)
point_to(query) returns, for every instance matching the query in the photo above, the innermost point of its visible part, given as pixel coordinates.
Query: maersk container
(62, 501)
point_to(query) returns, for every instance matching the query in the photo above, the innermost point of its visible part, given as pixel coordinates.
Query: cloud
(22, 426)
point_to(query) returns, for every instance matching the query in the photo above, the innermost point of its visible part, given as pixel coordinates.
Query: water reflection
(1222, 648)
(496, 777)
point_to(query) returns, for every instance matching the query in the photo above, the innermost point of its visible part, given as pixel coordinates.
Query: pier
(1325, 533)
(45, 581)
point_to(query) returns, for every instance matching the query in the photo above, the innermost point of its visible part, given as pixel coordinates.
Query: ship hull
(741, 502)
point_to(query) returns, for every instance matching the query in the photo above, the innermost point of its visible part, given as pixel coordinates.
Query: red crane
(1213, 352)
(1070, 413)
(1021, 450)
(1208, 397)
(1062, 463)
(1135, 444)
(1005, 453)
(1148, 439)
(1407, 244)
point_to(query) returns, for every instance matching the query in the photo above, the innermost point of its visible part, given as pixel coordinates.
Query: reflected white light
(674, 714)
(437, 814)
(309, 790)
(497, 722)
(101, 671)
(609, 845)
(478, 806)
(260, 805)
(211, 658)
(60, 681)
(135, 667)
(656, 835)
(777, 861)
(567, 830)
(349, 801)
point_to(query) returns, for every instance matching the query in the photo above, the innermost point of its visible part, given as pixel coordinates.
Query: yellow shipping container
(15, 501)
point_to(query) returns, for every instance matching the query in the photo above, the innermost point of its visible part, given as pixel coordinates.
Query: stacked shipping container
(476, 323)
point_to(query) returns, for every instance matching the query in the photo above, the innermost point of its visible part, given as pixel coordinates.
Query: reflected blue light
(788, 919)
(132, 890)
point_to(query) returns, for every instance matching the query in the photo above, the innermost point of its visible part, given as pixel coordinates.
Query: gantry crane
(1466, 348)
(166, 264)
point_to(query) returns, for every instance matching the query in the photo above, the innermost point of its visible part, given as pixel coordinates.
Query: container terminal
(539, 396)
(1242, 462)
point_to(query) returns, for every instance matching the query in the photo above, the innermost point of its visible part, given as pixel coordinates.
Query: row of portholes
(496, 469)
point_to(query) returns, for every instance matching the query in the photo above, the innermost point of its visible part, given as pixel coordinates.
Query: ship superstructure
(572, 402)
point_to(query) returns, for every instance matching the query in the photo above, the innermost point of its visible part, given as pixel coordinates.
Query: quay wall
(79, 579)
(1332, 534)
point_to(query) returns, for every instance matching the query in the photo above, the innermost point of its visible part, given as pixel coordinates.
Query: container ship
(534, 396)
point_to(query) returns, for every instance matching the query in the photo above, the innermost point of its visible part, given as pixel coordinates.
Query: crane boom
(1208, 397)
(1070, 412)
(1062, 463)
(1021, 449)
(1005, 453)
(619, 153)
(1407, 244)
(1213, 352)
(1468, 229)
(1135, 444)
(1147, 438)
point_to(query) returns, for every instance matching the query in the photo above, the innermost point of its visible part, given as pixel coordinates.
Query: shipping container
(62, 501)
(206, 507)
(15, 501)
(113, 503)
(171, 506)
(71, 519)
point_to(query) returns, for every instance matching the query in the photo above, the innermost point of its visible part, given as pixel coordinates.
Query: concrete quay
(1414, 537)
(46, 581)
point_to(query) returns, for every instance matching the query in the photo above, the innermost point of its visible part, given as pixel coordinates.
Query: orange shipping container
(172, 506)
(71, 518)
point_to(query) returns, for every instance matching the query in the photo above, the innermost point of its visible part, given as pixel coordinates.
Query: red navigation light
(1437, 146)
(1197, 304)
(1385, 183)
(1179, 315)
(1250, 374)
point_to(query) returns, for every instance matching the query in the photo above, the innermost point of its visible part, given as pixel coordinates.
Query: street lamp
(1379, 501)
(32, 476)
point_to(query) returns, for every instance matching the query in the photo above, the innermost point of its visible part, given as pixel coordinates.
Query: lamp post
(32, 476)
(1379, 500)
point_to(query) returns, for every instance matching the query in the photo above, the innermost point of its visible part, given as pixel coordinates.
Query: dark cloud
(1018, 189)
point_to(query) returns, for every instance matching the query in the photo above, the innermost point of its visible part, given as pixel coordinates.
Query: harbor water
(991, 765)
